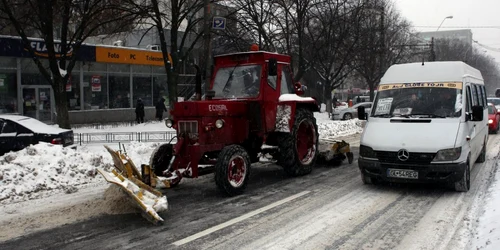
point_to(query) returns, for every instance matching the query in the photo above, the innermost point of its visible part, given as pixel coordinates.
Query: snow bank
(45, 167)
(329, 129)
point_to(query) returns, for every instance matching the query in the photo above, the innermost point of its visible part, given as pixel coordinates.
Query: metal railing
(110, 137)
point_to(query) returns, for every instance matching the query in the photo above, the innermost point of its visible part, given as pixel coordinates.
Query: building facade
(104, 86)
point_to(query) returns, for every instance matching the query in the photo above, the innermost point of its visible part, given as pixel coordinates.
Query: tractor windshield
(237, 81)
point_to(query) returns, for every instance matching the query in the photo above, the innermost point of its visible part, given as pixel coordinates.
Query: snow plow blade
(129, 179)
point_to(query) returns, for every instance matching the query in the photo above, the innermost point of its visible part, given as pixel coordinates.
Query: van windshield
(406, 100)
(237, 81)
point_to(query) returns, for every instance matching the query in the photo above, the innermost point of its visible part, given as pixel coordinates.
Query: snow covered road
(328, 209)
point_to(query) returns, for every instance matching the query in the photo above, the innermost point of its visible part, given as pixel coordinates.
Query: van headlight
(367, 152)
(219, 123)
(490, 121)
(450, 154)
(169, 123)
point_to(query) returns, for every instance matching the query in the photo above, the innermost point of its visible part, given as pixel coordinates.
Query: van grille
(415, 158)
(189, 127)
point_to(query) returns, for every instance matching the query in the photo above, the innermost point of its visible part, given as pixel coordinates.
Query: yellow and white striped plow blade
(150, 201)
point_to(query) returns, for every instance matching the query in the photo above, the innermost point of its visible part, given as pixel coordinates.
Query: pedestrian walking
(160, 108)
(139, 111)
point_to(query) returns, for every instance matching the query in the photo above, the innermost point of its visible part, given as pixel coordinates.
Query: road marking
(238, 219)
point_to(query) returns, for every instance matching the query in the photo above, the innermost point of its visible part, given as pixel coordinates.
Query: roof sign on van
(449, 85)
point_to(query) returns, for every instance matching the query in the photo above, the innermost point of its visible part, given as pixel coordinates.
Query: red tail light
(57, 141)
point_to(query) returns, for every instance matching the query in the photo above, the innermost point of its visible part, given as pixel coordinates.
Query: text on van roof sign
(450, 85)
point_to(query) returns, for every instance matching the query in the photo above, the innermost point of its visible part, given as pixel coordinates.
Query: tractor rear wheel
(299, 148)
(232, 170)
(160, 158)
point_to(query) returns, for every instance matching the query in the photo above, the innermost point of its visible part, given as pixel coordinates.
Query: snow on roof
(34, 125)
(430, 72)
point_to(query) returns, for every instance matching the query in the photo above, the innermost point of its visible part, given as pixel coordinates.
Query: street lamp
(448, 17)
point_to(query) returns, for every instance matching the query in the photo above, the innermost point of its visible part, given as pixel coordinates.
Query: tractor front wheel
(299, 148)
(232, 170)
(160, 159)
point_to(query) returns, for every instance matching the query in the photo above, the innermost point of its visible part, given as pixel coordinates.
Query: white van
(428, 123)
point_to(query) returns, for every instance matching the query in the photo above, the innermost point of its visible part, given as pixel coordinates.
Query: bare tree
(74, 20)
(176, 22)
(386, 42)
(458, 50)
(334, 32)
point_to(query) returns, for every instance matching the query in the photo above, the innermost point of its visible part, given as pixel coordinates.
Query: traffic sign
(219, 23)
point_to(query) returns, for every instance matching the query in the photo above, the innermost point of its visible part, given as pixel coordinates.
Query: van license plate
(402, 173)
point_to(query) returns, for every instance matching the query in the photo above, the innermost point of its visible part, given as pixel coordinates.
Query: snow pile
(43, 167)
(329, 129)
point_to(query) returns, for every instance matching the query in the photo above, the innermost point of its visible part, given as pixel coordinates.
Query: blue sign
(14, 47)
(219, 23)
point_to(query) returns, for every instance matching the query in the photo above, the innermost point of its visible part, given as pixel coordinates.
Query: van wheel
(463, 185)
(482, 156)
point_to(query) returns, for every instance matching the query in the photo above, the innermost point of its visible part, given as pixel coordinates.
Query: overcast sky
(466, 13)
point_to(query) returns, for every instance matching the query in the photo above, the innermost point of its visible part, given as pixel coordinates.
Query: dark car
(17, 132)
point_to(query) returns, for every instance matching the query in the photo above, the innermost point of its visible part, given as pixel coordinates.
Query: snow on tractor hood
(210, 108)
(295, 98)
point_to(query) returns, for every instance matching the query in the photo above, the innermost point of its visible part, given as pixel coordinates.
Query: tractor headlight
(169, 123)
(490, 121)
(450, 154)
(219, 123)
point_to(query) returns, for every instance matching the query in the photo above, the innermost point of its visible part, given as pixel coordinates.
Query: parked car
(495, 101)
(351, 112)
(493, 118)
(18, 132)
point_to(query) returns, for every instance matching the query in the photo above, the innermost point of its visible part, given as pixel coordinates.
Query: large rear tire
(299, 149)
(232, 170)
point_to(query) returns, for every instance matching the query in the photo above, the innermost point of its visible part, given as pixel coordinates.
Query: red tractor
(252, 109)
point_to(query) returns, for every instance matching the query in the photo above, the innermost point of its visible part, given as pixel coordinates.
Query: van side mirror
(477, 113)
(272, 67)
(362, 113)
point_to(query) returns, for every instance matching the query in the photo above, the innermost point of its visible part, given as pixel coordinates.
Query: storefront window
(142, 89)
(8, 91)
(95, 89)
(95, 86)
(73, 91)
(160, 88)
(119, 91)
(30, 75)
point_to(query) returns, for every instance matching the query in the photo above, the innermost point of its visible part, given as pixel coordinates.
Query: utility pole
(207, 43)
(433, 54)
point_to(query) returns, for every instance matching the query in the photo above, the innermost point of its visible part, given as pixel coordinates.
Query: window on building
(8, 91)
(160, 88)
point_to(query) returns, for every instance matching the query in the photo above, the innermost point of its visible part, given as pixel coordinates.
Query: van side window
(468, 107)
(480, 98)
(485, 99)
(473, 95)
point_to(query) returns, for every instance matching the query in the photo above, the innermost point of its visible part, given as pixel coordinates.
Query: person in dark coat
(160, 108)
(139, 111)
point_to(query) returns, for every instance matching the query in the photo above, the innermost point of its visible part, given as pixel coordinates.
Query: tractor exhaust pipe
(197, 82)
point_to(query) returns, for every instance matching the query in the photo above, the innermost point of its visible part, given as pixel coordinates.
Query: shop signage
(96, 83)
(129, 56)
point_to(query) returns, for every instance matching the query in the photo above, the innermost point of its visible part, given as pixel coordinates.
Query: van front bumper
(430, 173)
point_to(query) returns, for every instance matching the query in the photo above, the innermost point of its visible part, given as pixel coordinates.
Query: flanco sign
(40, 49)
(129, 56)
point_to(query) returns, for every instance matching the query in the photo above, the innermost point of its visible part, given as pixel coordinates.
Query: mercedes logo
(403, 155)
